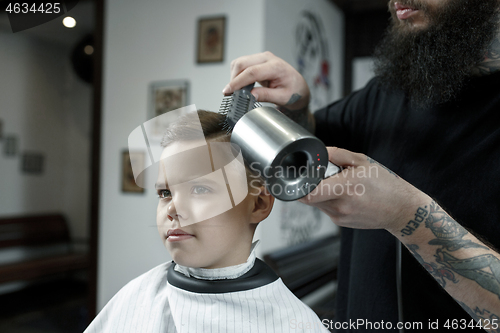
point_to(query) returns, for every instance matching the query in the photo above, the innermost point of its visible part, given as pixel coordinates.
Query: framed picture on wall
(128, 181)
(32, 163)
(166, 96)
(10, 146)
(211, 35)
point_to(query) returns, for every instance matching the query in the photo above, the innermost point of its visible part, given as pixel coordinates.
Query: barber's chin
(412, 24)
(418, 26)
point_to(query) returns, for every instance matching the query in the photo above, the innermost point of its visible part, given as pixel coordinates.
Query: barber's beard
(432, 64)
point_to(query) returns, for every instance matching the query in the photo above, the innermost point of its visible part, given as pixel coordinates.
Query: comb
(236, 106)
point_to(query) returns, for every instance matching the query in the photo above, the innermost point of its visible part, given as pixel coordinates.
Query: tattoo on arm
(448, 232)
(439, 272)
(293, 99)
(413, 224)
(489, 319)
(484, 269)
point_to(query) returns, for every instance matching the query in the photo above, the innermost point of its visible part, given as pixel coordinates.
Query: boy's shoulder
(155, 276)
(140, 303)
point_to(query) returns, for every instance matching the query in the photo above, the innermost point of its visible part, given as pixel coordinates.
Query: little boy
(207, 215)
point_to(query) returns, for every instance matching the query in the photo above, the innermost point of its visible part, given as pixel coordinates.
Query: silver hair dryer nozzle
(289, 159)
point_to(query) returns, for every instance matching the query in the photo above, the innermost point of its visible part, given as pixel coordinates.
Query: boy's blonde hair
(212, 124)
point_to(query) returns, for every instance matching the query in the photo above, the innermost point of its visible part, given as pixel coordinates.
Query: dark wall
(364, 30)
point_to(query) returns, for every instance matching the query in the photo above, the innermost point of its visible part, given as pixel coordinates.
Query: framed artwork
(211, 35)
(313, 60)
(32, 163)
(166, 96)
(128, 181)
(10, 145)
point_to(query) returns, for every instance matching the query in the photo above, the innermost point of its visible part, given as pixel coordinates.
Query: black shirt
(452, 153)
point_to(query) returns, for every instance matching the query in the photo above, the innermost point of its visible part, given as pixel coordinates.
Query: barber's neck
(491, 62)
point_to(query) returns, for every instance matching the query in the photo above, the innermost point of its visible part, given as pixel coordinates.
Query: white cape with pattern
(149, 304)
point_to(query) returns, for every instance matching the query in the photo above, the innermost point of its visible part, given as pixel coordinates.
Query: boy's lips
(403, 11)
(176, 235)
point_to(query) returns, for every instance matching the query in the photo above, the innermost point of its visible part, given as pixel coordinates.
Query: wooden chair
(35, 232)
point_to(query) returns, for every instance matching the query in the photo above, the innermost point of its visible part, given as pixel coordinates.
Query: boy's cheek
(161, 228)
(161, 219)
(161, 210)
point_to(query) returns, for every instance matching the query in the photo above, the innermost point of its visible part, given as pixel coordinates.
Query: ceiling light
(88, 49)
(69, 22)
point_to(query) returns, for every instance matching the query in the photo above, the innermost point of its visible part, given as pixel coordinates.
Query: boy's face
(196, 219)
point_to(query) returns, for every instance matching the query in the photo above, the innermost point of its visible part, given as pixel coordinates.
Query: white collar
(230, 272)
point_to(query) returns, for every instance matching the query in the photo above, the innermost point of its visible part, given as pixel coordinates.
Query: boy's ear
(263, 204)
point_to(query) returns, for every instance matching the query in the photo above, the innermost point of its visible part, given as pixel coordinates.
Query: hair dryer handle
(331, 170)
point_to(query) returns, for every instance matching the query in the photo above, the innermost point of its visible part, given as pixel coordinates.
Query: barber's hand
(281, 83)
(365, 195)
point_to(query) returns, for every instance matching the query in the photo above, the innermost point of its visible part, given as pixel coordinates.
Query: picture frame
(128, 181)
(10, 145)
(32, 163)
(165, 96)
(211, 39)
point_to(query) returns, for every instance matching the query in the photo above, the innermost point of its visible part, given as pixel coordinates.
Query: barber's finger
(327, 189)
(238, 65)
(273, 95)
(259, 72)
(344, 158)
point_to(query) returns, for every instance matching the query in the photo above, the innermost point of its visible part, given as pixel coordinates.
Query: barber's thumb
(343, 157)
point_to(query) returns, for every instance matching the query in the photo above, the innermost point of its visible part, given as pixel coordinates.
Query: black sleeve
(344, 123)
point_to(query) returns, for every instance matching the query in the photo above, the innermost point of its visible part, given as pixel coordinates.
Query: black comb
(236, 106)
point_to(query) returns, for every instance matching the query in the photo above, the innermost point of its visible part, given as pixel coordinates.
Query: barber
(430, 122)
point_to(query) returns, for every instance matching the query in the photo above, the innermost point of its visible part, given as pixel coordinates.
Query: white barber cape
(166, 300)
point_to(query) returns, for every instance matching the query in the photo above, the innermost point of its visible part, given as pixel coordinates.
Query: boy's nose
(172, 211)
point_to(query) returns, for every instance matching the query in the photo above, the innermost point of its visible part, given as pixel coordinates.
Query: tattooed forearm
(449, 233)
(412, 225)
(484, 268)
(489, 321)
(440, 273)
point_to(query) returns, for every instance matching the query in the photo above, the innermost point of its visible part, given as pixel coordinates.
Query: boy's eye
(164, 194)
(200, 190)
